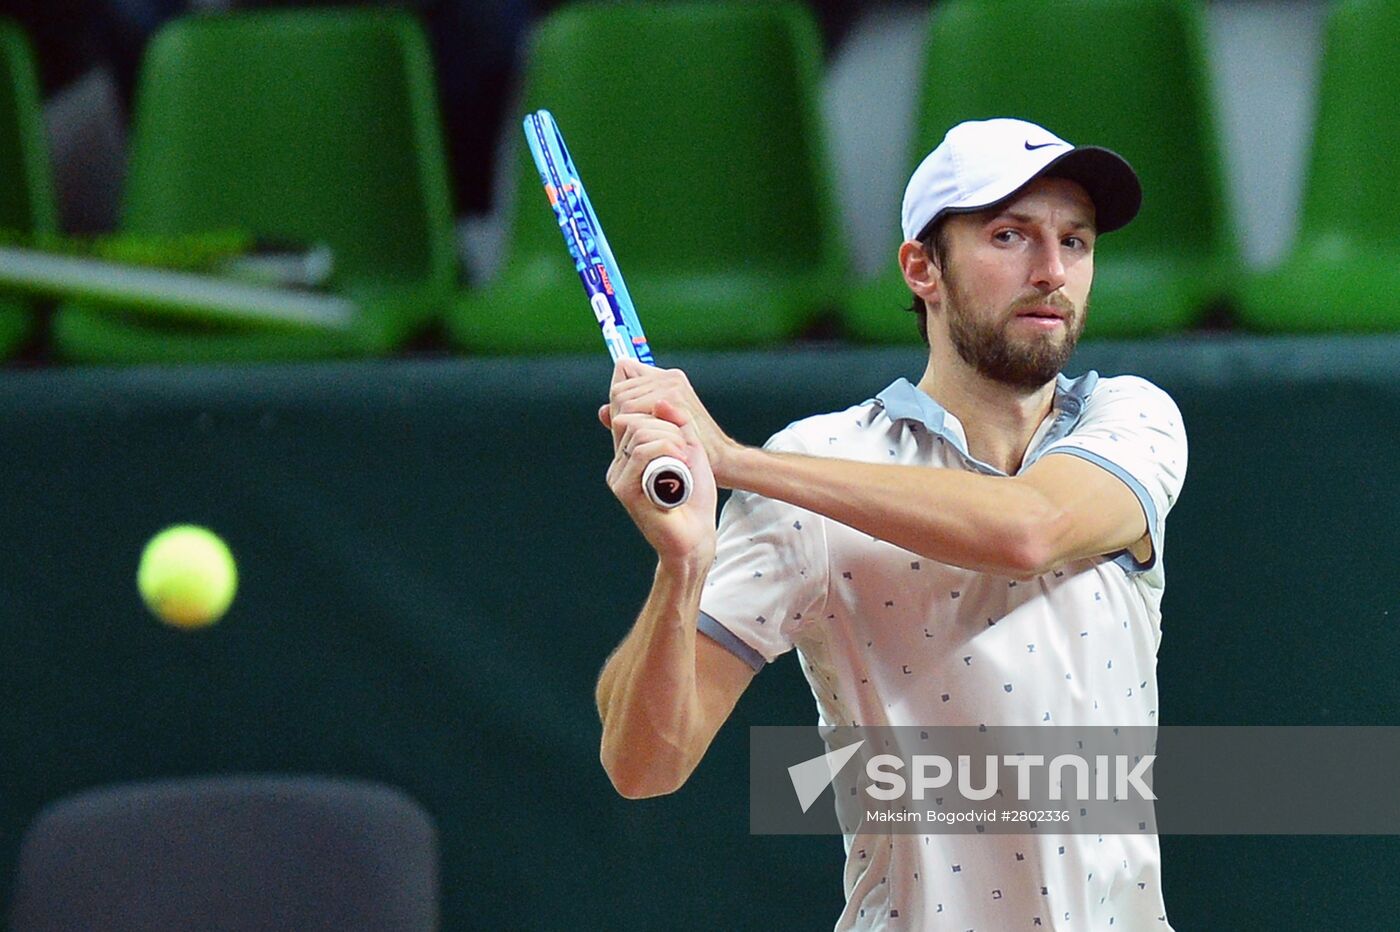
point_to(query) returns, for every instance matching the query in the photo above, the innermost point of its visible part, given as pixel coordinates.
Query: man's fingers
(627, 368)
(634, 393)
(640, 429)
(647, 405)
(644, 451)
(638, 383)
(605, 416)
(624, 475)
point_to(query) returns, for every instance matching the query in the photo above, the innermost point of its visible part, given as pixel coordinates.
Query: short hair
(934, 243)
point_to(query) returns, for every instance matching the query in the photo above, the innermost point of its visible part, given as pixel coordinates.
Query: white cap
(980, 163)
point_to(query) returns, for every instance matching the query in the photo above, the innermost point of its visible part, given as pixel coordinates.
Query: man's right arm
(666, 690)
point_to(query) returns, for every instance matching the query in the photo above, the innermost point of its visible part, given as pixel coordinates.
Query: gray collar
(903, 401)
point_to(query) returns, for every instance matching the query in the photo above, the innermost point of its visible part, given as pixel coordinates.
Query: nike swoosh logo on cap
(1031, 148)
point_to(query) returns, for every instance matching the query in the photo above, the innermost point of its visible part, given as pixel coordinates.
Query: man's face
(1016, 282)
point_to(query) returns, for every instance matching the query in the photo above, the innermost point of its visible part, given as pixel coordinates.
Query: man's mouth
(1043, 312)
(1043, 317)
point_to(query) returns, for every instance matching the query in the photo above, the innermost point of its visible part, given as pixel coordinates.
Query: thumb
(674, 413)
(605, 416)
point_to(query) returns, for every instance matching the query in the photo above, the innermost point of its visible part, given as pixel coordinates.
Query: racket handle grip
(667, 482)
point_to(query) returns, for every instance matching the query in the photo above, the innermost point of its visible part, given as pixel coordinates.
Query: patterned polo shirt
(886, 637)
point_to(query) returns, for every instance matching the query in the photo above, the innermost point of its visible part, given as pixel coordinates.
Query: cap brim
(1105, 175)
(1112, 184)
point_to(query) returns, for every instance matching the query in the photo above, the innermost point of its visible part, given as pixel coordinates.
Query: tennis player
(983, 547)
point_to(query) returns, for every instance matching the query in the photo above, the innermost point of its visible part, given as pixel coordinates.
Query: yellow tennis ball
(187, 576)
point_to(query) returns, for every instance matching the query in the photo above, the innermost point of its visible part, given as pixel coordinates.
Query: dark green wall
(433, 572)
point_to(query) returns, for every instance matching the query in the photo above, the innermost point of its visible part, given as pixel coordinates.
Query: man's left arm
(1061, 509)
(1104, 490)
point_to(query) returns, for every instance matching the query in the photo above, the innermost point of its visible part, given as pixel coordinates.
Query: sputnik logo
(810, 777)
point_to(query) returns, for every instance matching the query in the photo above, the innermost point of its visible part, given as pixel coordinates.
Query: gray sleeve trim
(1149, 508)
(727, 639)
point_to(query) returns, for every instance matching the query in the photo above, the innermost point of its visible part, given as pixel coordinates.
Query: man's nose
(1048, 273)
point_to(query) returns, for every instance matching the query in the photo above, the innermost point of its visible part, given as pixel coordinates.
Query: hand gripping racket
(666, 480)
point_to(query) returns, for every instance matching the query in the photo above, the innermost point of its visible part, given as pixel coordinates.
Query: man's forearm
(648, 699)
(984, 523)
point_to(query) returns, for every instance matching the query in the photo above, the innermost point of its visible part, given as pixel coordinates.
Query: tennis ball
(187, 576)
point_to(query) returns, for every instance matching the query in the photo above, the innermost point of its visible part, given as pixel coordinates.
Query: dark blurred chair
(1126, 74)
(1343, 272)
(230, 854)
(26, 186)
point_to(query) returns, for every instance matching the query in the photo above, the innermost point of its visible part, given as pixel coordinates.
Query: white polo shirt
(887, 637)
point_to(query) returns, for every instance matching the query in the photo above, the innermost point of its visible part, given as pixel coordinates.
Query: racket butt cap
(667, 482)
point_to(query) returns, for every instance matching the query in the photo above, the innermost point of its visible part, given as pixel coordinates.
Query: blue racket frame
(666, 480)
(583, 234)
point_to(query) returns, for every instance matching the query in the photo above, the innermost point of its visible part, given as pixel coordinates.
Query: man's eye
(1074, 242)
(1005, 236)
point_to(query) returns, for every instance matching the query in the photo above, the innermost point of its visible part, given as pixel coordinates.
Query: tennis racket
(666, 480)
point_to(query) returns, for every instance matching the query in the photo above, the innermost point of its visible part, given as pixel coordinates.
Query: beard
(984, 341)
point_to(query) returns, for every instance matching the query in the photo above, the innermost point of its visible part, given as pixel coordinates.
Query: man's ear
(921, 273)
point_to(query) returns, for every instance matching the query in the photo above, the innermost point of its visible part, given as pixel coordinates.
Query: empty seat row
(698, 131)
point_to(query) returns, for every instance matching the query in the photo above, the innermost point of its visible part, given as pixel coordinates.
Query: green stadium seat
(1126, 74)
(26, 185)
(304, 127)
(696, 128)
(1343, 272)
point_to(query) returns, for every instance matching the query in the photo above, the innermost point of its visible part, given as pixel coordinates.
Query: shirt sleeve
(1133, 429)
(769, 578)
